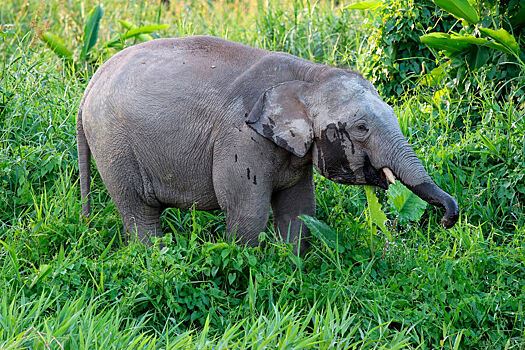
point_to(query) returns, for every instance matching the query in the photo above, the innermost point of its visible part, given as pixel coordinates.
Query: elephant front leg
(246, 204)
(290, 203)
(245, 223)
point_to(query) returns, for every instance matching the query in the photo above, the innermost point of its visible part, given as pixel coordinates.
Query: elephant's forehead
(344, 85)
(342, 104)
(352, 86)
(348, 110)
(343, 90)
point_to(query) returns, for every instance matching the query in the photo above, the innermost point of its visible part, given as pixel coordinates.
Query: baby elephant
(204, 122)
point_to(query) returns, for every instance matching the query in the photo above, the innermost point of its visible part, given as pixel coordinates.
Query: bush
(397, 56)
(489, 37)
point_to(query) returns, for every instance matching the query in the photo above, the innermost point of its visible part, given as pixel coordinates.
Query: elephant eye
(361, 127)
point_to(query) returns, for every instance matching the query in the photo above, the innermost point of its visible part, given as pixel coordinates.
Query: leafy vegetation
(367, 282)
(476, 45)
(397, 57)
(90, 37)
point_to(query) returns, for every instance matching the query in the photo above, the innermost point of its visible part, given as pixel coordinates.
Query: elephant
(201, 122)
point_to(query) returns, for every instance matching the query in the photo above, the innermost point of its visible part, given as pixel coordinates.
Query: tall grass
(66, 283)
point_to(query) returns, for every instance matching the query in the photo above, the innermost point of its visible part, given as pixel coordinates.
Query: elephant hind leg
(133, 195)
(142, 222)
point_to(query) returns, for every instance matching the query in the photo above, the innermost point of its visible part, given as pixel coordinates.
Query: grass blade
(91, 30)
(55, 43)
(364, 5)
(147, 29)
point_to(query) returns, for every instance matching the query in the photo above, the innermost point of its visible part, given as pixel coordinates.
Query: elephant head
(354, 136)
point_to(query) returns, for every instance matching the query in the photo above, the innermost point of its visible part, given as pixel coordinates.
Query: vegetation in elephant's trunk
(434, 195)
(411, 173)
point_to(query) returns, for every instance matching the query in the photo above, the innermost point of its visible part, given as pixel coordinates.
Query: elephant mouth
(377, 177)
(366, 175)
(387, 178)
(381, 178)
(388, 175)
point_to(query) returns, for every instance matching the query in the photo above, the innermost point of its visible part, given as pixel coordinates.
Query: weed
(67, 283)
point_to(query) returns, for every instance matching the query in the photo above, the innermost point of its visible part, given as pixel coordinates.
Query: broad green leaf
(501, 36)
(454, 44)
(461, 9)
(436, 75)
(364, 5)
(128, 25)
(439, 95)
(407, 206)
(442, 41)
(144, 30)
(91, 30)
(498, 46)
(114, 42)
(469, 39)
(377, 216)
(56, 44)
(323, 232)
(43, 272)
(133, 31)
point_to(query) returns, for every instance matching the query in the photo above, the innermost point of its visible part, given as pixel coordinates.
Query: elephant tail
(84, 157)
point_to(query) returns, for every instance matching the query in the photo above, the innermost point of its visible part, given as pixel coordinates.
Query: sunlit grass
(71, 283)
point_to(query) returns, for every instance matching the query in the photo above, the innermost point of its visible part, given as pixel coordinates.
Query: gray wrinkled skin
(206, 122)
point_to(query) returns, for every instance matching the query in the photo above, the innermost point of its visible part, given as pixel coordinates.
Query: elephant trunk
(409, 170)
(434, 195)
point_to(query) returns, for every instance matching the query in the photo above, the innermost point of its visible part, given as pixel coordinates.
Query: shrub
(488, 37)
(397, 56)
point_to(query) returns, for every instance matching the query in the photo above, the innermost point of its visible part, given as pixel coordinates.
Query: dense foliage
(67, 283)
(397, 57)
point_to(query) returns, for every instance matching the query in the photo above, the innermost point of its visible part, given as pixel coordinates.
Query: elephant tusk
(389, 175)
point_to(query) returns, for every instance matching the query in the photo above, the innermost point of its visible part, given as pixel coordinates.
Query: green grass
(66, 283)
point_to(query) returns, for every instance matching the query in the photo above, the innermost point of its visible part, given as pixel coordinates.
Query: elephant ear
(281, 116)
